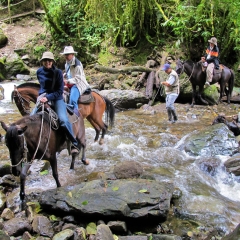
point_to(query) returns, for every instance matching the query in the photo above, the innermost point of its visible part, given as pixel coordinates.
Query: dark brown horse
(26, 93)
(197, 77)
(32, 137)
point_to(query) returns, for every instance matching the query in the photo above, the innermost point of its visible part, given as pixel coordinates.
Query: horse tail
(110, 112)
(231, 82)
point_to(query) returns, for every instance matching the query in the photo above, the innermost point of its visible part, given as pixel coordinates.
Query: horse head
(14, 140)
(179, 66)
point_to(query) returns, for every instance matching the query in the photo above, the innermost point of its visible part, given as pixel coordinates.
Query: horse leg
(23, 177)
(84, 160)
(96, 127)
(73, 160)
(221, 92)
(104, 130)
(200, 95)
(193, 95)
(53, 163)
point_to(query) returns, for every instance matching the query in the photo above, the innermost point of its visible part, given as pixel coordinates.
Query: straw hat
(68, 50)
(47, 55)
(213, 40)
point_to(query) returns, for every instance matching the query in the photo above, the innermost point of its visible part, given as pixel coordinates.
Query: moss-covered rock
(3, 38)
(14, 65)
(3, 71)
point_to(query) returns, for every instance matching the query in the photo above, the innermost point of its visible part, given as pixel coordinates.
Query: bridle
(53, 123)
(22, 100)
(183, 69)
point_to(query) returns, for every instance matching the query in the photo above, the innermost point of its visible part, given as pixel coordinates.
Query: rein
(25, 151)
(22, 99)
(190, 74)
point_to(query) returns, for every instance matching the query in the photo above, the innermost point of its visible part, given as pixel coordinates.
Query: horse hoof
(85, 162)
(101, 142)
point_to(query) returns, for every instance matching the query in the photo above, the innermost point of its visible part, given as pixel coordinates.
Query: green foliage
(86, 23)
(39, 50)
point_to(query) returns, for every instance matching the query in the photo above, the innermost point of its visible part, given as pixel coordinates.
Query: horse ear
(4, 126)
(21, 130)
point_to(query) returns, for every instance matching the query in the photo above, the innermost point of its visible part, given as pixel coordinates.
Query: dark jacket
(45, 77)
(214, 57)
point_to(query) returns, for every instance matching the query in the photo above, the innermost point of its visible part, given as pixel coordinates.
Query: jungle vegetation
(186, 23)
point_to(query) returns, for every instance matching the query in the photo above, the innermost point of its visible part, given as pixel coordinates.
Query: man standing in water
(172, 91)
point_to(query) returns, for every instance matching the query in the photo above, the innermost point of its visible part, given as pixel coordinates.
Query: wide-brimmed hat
(213, 40)
(47, 55)
(166, 67)
(68, 50)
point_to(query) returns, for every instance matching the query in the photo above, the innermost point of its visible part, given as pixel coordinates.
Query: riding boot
(169, 111)
(175, 118)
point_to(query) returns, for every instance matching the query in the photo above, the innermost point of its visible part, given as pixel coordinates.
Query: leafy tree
(86, 23)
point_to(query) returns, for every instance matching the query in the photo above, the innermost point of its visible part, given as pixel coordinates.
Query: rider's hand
(43, 100)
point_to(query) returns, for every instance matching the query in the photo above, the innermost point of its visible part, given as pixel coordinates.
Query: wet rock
(10, 181)
(42, 226)
(69, 219)
(69, 226)
(233, 165)
(213, 140)
(117, 226)
(3, 200)
(118, 198)
(165, 237)
(27, 236)
(64, 235)
(17, 226)
(133, 238)
(209, 165)
(7, 214)
(4, 236)
(104, 233)
(80, 234)
(128, 169)
(5, 167)
(235, 235)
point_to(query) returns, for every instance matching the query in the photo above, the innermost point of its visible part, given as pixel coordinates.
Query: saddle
(215, 71)
(86, 97)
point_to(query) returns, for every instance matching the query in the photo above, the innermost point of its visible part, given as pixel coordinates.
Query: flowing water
(146, 137)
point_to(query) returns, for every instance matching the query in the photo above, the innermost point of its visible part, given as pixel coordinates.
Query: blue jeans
(170, 99)
(74, 96)
(61, 110)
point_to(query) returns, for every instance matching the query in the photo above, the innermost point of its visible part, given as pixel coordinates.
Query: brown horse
(197, 77)
(32, 137)
(26, 93)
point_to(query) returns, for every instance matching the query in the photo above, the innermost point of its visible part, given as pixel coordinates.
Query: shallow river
(147, 138)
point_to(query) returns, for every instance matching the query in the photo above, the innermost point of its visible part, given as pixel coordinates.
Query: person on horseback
(172, 91)
(74, 77)
(211, 57)
(51, 89)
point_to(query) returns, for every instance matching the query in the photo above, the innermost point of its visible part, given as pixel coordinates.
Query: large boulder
(213, 140)
(124, 99)
(122, 199)
(14, 65)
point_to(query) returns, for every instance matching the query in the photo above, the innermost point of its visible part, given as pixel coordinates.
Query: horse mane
(29, 84)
